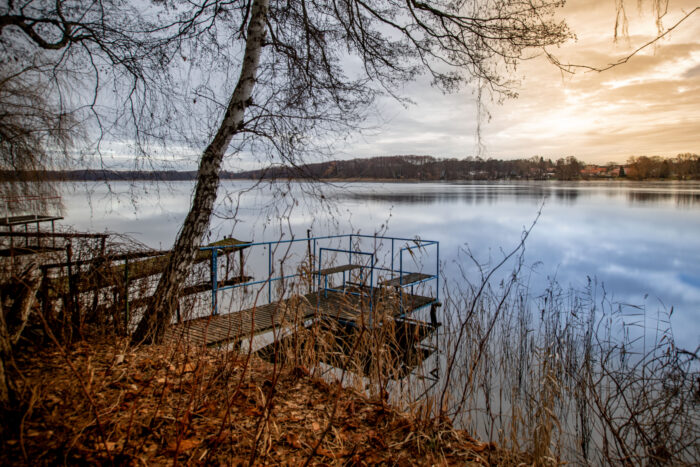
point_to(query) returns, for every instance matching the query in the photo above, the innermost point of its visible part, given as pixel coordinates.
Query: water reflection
(442, 193)
(566, 195)
(680, 199)
(639, 239)
(685, 195)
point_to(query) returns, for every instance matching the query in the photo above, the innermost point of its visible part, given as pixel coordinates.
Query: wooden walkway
(150, 266)
(27, 250)
(337, 269)
(234, 326)
(406, 279)
(27, 219)
(140, 302)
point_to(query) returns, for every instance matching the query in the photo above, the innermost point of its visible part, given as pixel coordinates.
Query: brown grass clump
(102, 401)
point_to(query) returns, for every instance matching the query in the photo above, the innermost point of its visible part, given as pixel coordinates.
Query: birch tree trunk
(165, 299)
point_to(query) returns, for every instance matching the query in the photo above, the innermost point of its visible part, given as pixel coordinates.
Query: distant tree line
(682, 167)
(410, 167)
(100, 175)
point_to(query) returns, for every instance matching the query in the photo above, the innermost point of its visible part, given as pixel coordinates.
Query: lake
(641, 241)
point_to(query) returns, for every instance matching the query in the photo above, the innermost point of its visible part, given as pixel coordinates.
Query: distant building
(594, 171)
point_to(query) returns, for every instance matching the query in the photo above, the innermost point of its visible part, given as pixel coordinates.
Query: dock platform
(406, 279)
(231, 327)
(9, 221)
(145, 264)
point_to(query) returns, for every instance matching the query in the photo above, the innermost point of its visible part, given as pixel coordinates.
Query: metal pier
(348, 280)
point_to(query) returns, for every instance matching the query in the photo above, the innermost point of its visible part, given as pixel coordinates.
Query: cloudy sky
(648, 106)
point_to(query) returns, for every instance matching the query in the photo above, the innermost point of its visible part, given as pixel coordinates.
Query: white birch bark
(160, 312)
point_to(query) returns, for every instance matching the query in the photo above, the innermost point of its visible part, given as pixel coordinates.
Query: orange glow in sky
(647, 106)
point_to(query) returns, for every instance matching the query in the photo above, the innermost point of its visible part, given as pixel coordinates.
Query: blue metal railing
(361, 267)
(318, 249)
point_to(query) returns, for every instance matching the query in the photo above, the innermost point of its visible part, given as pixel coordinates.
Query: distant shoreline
(410, 169)
(175, 176)
(549, 180)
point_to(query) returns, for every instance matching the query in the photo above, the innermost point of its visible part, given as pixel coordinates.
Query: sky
(647, 106)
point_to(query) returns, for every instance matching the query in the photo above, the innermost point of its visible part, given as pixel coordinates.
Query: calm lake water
(640, 240)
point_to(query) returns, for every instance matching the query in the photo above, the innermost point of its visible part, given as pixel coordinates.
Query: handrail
(325, 237)
(33, 234)
(12, 198)
(350, 252)
(12, 201)
(317, 252)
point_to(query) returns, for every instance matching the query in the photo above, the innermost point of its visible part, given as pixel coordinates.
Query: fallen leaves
(184, 445)
(481, 447)
(300, 372)
(327, 453)
(293, 440)
(114, 445)
(168, 405)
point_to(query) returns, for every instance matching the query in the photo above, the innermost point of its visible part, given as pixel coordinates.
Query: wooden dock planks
(406, 279)
(26, 250)
(336, 269)
(113, 275)
(234, 326)
(27, 219)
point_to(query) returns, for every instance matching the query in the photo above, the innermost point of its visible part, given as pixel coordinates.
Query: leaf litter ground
(106, 402)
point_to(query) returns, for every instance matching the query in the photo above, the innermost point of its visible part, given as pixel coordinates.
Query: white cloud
(650, 105)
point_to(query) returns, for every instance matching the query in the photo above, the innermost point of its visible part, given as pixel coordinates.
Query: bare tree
(165, 298)
(283, 76)
(659, 10)
(304, 87)
(34, 134)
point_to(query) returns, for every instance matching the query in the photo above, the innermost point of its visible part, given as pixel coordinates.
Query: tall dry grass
(565, 375)
(570, 375)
